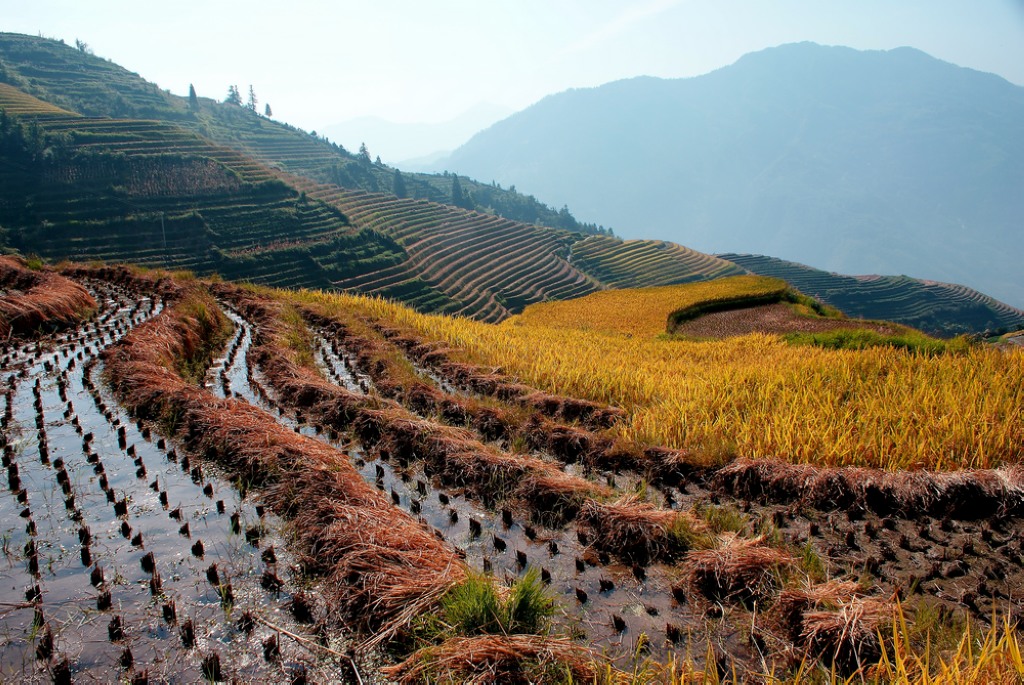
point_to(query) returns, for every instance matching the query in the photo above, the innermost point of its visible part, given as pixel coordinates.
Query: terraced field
(333, 479)
(81, 82)
(937, 308)
(459, 252)
(155, 189)
(646, 263)
(188, 204)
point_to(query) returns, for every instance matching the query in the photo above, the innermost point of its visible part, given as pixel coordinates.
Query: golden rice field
(642, 311)
(752, 396)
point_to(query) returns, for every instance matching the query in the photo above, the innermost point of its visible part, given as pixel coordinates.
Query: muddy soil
(123, 558)
(778, 318)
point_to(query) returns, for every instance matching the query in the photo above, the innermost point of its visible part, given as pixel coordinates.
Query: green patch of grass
(477, 607)
(528, 606)
(684, 536)
(724, 519)
(808, 306)
(936, 625)
(860, 339)
(214, 332)
(297, 337)
(811, 563)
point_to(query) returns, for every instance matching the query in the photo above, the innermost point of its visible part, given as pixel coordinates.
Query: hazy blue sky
(319, 63)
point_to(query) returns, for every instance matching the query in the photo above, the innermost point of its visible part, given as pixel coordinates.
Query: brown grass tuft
(848, 637)
(739, 570)
(636, 530)
(793, 603)
(509, 659)
(34, 300)
(968, 494)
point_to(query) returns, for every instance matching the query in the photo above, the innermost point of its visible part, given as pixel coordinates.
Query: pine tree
(193, 99)
(252, 99)
(234, 97)
(459, 197)
(397, 184)
(267, 112)
(364, 154)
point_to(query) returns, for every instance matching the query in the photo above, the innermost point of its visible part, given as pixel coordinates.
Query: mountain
(404, 143)
(79, 81)
(858, 162)
(143, 177)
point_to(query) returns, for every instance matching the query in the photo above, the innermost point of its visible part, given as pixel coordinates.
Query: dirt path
(776, 318)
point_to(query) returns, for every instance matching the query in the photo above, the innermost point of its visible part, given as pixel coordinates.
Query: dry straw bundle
(635, 529)
(967, 494)
(496, 659)
(30, 300)
(739, 570)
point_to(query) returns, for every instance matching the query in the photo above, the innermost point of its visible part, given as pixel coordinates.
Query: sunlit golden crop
(641, 311)
(753, 396)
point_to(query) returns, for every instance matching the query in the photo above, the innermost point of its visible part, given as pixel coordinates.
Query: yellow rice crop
(757, 396)
(641, 311)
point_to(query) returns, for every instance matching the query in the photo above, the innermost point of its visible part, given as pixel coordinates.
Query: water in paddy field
(120, 556)
(620, 605)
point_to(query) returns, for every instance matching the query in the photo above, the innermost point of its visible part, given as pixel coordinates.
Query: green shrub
(860, 339)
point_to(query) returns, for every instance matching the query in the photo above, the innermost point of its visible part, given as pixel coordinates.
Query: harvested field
(31, 300)
(775, 319)
(309, 503)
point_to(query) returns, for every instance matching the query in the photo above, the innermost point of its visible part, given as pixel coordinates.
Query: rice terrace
(240, 483)
(276, 413)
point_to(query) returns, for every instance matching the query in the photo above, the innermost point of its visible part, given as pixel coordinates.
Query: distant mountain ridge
(856, 162)
(148, 179)
(398, 143)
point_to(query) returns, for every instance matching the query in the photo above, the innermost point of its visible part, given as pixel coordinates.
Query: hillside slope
(936, 308)
(151, 189)
(81, 82)
(153, 193)
(857, 162)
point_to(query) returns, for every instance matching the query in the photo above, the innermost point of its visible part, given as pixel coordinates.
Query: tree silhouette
(234, 97)
(267, 112)
(460, 198)
(252, 99)
(364, 154)
(193, 99)
(398, 184)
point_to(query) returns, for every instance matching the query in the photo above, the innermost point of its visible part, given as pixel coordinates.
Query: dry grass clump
(384, 569)
(793, 603)
(739, 570)
(557, 496)
(585, 412)
(155, 282)
(969, 494)
(638, 531)
(511, 659)
(31, 300)
(847, 638)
